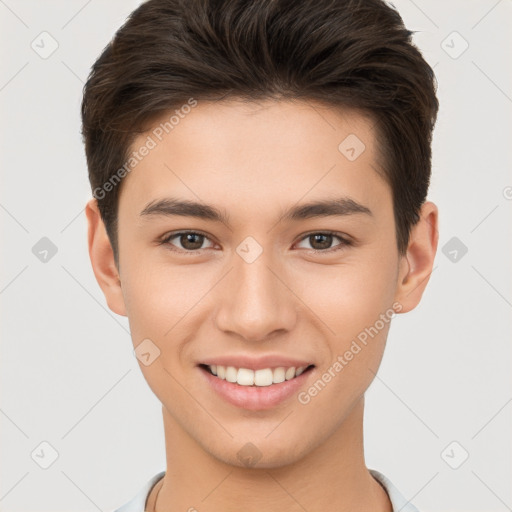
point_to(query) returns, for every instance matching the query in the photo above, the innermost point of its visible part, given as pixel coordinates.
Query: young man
(260, 171)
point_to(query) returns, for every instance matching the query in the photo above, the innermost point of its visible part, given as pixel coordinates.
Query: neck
(332, 476)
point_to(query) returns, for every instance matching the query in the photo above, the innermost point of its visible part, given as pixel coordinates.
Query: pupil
(326, 243)
(189, 241)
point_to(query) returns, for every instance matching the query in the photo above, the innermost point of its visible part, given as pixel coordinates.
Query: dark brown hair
(343, 53)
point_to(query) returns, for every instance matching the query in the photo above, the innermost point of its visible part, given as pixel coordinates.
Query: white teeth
(263, 377)
(279, 375)
(245, 377)
(299, 370)
(290, 373)
(231, 372)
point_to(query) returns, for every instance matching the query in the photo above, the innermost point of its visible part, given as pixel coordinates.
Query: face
(289, 260)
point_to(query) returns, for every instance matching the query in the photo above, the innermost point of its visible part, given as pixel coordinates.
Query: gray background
(68, 374)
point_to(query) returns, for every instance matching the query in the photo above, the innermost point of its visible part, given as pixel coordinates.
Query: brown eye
(322, 242)
(191, 241)
(187, 241)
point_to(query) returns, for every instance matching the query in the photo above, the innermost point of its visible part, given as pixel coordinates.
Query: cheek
(354, 303)
(165, 304)
(157, 296)
(358, 316)
(160, 304)
(349, 297)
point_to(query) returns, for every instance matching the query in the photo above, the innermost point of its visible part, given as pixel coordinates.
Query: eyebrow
(169, 207)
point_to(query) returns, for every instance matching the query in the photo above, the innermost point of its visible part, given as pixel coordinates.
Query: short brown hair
(343, 53)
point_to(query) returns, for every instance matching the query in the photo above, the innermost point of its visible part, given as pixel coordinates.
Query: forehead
(257, 154)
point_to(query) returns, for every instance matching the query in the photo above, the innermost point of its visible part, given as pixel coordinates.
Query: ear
(416, 266)
(102, 259)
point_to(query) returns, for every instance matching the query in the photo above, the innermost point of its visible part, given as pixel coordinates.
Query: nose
(255, 301)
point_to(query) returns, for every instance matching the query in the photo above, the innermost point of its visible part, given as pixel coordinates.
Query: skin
(254, 161)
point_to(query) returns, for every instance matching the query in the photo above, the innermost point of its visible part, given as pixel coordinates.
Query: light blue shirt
(398, 502)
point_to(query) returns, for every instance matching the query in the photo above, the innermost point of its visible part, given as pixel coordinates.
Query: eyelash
(344, 242)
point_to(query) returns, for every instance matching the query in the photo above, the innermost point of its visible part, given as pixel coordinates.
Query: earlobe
(102, 259)
(416, 265)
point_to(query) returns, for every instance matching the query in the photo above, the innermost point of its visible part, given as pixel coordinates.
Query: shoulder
(138, 502)
(398, 502)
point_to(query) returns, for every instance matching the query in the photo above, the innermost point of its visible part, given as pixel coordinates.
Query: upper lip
(256, 363)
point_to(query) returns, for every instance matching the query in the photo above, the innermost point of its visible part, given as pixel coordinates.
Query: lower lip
(255, 398)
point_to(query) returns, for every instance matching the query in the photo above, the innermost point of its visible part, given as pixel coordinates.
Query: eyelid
(344, 240)
(174, 234)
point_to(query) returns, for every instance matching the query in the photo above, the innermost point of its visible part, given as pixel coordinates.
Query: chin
(258, 454)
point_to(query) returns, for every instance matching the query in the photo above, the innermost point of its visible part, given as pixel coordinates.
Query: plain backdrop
(438, 415)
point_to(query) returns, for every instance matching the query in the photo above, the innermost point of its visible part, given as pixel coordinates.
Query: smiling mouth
(255, 378)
